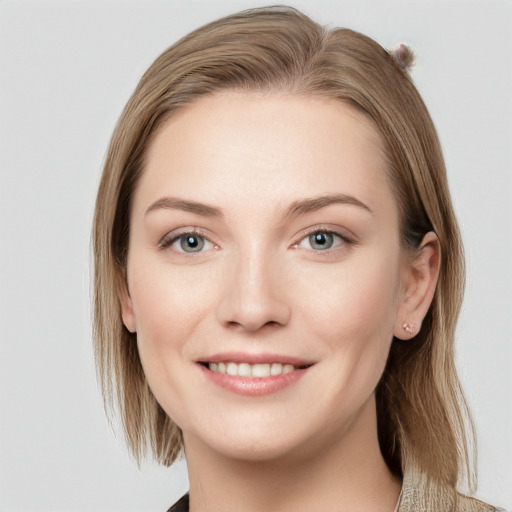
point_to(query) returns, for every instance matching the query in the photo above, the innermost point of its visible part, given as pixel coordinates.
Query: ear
(127, 311)
(419, 285)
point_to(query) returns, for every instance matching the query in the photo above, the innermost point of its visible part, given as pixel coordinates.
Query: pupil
(191, 243)
(321, 240)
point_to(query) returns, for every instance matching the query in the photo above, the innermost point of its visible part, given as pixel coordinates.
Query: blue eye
(190, 242)
(321, 240)
(186, 243)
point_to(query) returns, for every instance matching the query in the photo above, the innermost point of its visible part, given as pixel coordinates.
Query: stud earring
(407, 328)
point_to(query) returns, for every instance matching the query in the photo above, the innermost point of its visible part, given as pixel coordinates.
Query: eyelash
(345, 240)
(171, 238)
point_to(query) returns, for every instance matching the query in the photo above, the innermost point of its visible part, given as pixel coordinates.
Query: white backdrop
(66, 70)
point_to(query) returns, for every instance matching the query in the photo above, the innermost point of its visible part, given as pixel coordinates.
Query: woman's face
(264, 272)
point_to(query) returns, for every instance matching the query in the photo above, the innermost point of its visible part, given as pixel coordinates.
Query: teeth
(232, 369)
(244, 370)
(260, 370)
(251, 370)
(276, 369)
(287, 368)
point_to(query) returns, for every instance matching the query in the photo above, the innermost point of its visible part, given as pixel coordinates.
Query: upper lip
(260, 358)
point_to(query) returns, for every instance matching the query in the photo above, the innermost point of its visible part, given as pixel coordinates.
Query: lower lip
(253, 386)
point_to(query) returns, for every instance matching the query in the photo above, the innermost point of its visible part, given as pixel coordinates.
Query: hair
(423, 420)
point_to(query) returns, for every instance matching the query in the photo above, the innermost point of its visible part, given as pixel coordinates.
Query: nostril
(252, 325)
(248, 308)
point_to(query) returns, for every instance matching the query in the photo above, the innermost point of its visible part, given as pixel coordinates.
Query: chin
(263, 442)
(263, 448)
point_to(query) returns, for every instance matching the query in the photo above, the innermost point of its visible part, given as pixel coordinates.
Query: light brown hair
(423, 420)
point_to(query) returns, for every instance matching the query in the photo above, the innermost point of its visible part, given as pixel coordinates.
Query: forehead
(270, 147)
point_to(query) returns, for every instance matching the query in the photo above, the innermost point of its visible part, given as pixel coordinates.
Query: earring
(408, 328)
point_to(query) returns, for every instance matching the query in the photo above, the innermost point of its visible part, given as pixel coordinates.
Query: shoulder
(468, 504)
(420, 494)
(440, 503)
(181, 505)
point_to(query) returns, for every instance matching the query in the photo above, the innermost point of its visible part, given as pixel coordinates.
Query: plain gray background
(66, 70)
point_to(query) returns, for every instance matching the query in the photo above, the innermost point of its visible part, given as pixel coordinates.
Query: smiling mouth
(253, 375)
(247, 370)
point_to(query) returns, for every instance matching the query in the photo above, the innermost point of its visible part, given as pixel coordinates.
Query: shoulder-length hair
(423, 419)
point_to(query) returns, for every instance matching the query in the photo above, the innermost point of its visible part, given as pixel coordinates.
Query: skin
(259, 286)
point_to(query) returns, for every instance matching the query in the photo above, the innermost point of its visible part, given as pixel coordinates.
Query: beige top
(416, 496)
(398, 502)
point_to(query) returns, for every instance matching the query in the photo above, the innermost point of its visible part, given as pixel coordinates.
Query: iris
(321, 240)
(191, 243)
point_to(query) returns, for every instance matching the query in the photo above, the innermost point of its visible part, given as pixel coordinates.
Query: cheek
(353, 309)
(168, 306)
(358, 297)
(352, 313)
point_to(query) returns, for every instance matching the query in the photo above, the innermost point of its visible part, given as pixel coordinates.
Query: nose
(253, 295)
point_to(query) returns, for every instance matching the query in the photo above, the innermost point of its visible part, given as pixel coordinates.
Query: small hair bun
(404, 56)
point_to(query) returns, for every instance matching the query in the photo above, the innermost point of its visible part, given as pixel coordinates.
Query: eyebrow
(176, 203)
(304, 206)
(297, 208)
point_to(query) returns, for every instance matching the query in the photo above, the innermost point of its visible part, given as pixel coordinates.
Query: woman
(278, 274)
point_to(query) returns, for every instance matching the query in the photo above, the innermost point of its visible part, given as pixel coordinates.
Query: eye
(191, 243)
(321, 240)
(188, 243)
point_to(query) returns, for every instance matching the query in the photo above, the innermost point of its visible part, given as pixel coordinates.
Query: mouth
(248, 371)
(253, 375)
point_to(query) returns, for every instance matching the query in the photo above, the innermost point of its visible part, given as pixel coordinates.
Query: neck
(344, 474)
